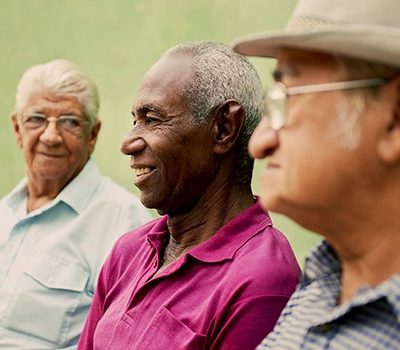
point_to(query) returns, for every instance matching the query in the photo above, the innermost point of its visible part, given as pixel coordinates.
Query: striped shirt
(313, 320)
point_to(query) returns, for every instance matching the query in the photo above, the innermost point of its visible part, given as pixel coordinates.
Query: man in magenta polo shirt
(212, 272)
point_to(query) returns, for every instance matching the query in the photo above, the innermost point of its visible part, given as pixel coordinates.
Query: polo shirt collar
(232, 236)
(225, 242)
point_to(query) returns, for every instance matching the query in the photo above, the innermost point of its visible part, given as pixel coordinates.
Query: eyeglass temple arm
(339, 85)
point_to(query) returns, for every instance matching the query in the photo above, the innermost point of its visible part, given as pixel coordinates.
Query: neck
(364, 230)
(210, 213)
(368, 258)
(42, 191)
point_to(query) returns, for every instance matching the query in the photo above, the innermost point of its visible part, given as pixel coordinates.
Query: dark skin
(182, 169)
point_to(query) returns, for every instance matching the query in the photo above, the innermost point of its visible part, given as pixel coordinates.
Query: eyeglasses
(66, 123)
(276, 99)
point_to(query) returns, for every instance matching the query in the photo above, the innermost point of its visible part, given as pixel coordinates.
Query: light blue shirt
(50, 258)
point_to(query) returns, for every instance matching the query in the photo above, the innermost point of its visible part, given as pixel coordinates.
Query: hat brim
(377, 45)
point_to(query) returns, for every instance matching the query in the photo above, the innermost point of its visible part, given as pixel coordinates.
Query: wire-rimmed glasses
(276, 99)
(65, 123)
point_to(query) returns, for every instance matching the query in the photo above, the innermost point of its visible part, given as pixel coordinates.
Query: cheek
(319, 176)
(28, 145)
(307, 165)
(77, 145)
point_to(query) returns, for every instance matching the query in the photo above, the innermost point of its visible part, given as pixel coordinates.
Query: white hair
(353, 104)
(60, 77)
(219, 74)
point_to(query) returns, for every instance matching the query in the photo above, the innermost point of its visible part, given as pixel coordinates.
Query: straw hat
(365, 29)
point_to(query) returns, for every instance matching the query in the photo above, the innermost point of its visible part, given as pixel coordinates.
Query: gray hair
(219, 74)
(60, 77)
(351, 107)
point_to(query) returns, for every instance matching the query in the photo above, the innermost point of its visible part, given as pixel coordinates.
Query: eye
(69, 122)
(150, 120)
(35, 120)
(152, 117)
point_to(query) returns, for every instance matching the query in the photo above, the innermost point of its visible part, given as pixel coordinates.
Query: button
(324, 328)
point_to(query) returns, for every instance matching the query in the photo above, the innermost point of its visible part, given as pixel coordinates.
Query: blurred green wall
(115, 42)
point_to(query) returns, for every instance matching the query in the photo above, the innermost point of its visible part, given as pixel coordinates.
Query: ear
(16, 128)
(227, 124)
(93, 135)
(389, 145)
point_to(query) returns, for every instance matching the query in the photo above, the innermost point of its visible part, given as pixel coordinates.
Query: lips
(272, 164)
(51, 155)
(143, 173)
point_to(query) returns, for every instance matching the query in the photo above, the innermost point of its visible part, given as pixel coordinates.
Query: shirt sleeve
(248, 322)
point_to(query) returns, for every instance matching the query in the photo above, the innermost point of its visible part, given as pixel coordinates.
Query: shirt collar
(76, 194)
(324, 265)
(321, 262)
(233, 235)
(80, 190)
(225, 242)
(18, 194)
(393, 286)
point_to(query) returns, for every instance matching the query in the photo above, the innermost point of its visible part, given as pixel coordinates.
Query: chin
(267, 205)
(274, 203)
(151, 201)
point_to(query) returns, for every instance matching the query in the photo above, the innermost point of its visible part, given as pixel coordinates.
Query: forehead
(164, 81)
(293, 62)
(45, 101)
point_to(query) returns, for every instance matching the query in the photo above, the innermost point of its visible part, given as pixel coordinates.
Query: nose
(51, 135)
(264, 140)
(132, 144)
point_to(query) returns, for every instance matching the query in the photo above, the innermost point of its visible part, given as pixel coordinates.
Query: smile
(142, 171)
(50, 155)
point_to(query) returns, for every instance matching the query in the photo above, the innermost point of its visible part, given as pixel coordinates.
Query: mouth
(142, 171)
(143, 174)
(50, 155)
(272, 165)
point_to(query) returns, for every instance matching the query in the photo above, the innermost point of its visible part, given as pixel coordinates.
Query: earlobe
(228, 123)
(94, 132)
(389, 147)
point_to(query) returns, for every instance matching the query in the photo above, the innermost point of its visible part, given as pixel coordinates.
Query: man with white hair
(332, 135)
(58, 224)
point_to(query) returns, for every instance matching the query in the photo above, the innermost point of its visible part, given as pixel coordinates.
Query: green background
(115, 42)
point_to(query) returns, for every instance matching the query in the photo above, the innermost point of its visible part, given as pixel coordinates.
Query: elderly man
(58, 224)
(332, 133)
(205, 274)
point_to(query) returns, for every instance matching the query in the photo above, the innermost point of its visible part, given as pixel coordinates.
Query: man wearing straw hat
(332, 135)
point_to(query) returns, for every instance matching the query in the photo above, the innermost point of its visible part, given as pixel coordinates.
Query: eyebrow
(279, 73)
(147, 108)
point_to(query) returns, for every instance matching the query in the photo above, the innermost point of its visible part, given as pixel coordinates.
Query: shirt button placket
(324, 328)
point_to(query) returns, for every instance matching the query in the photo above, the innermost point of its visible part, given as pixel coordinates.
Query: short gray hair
(353, 105)
(219, 74)
(60, 77)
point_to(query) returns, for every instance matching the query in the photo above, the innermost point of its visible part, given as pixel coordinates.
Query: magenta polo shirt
(225, 293)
